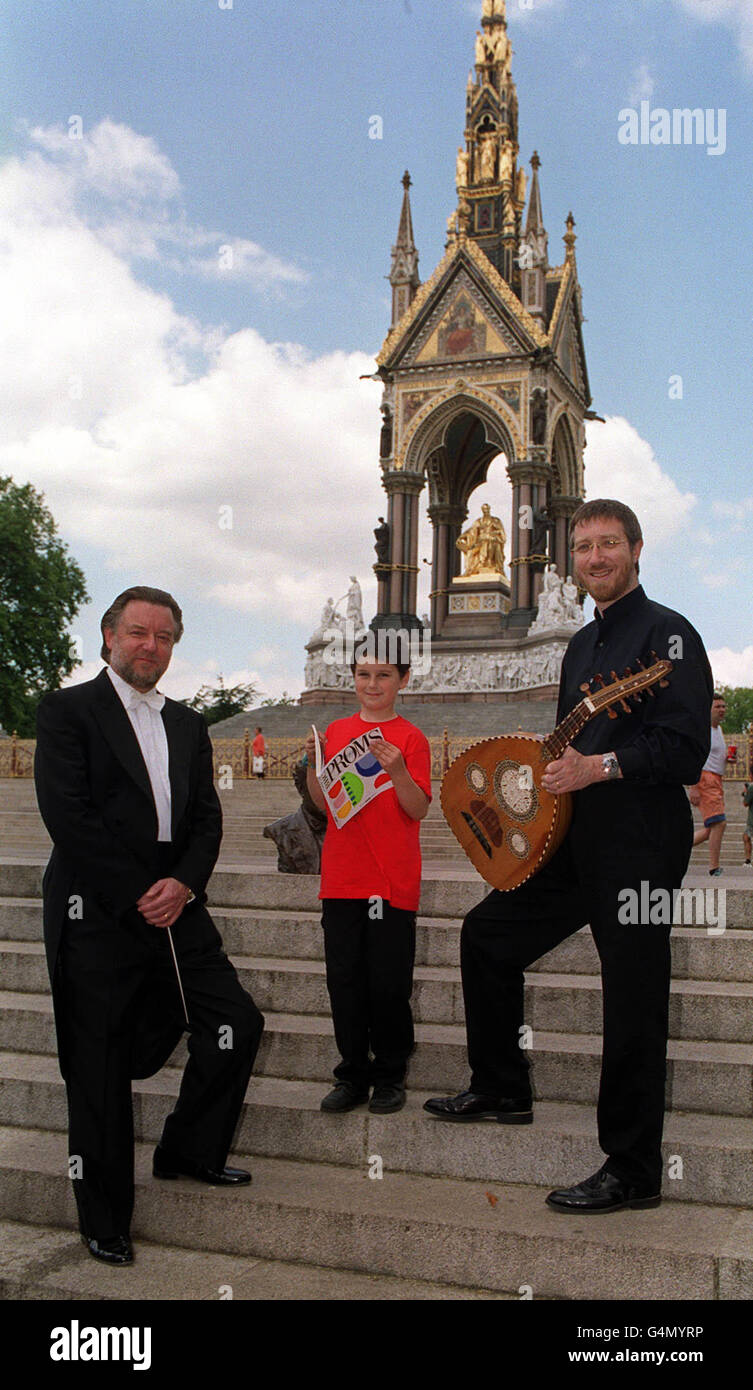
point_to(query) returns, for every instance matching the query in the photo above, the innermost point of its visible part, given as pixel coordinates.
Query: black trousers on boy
(369, 960)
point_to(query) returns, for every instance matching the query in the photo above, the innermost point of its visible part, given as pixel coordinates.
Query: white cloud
(128, 193)
(735, 516)
(619, 463)
(112, 159)
(642, 85)
(736, 14)
(140, 425)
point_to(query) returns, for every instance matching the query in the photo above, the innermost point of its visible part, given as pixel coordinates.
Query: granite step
(43, 1262)
(497, 1236)
(298, 936)
(713, 1010)
(451, 894)
(707, 1157)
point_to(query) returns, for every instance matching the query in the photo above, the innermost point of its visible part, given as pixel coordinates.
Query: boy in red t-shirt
(371, 882)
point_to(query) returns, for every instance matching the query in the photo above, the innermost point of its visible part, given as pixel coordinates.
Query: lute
(492, 797)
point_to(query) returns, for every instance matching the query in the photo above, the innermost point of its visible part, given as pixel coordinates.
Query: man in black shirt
(632, 829)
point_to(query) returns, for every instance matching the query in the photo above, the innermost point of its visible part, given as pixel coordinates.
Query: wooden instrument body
(496, 807)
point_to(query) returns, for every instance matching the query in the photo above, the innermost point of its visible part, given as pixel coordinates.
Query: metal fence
(234, 755)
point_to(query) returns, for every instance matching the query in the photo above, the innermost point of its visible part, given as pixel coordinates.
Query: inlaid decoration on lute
(492, 796)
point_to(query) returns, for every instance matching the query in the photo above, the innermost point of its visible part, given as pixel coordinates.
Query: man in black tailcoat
(125, 787)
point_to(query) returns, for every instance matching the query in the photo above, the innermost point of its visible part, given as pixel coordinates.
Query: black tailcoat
(96, 800)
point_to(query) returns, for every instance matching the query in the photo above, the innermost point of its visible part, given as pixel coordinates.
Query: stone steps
(459, 1212)
(282, 1119)
(499, 1236)
(39, 1262)
(708, 1077)
(714, 1010)
(297, 935)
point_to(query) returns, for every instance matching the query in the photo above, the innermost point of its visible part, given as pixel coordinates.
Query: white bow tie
(152, 698)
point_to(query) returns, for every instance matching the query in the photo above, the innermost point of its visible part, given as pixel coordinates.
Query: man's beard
(130, 673)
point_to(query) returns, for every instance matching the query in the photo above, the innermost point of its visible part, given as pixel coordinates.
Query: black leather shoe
(386, 1099)
(471, 1106)
(170, 1165)
(603, 1191)
(113, 1250)
(343, 1097)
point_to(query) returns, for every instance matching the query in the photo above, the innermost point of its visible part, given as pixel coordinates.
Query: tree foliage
(41, 590)
(738, 716)
(219, 701)
(283, 701)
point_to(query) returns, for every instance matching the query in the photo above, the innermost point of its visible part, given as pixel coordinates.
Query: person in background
(748, 831)
(258, 753)
(708, 793)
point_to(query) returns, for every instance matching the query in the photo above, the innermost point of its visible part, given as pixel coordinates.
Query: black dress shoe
(386, 1099)
(170, 1165)
(471, 1106)
(343, 1097)
(113, 1250)
(603, 1191)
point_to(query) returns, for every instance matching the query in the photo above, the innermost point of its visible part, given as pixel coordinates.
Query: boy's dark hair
(400, 666)
(142, 593)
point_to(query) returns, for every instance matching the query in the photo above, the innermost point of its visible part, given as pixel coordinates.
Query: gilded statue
(488, 159)
(461, 168)
(483, 545)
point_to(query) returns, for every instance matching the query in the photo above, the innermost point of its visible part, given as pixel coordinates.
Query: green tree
(41, 590)
(283, 701)
(739, 712)
(219, 701)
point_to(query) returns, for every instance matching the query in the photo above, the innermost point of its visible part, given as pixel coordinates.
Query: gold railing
(17, 756)
(234, 754)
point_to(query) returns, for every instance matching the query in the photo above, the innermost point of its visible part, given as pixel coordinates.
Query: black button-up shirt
(664, 739)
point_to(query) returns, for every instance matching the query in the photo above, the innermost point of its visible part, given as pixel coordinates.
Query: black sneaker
(387, 1098)
(343, 1097)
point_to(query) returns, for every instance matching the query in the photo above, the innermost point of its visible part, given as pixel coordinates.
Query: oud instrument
(492, 797)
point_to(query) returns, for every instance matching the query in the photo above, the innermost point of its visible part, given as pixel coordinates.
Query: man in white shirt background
(125, 786)
(708, 794)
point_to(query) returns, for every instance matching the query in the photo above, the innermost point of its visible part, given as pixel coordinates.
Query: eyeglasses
(609, 543)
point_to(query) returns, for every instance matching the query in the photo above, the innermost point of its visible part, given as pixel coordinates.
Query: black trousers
(369, 962)
(509, 931)
(120, 1012)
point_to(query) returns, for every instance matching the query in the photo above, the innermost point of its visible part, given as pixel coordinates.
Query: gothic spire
(404, 276)
(491, 187)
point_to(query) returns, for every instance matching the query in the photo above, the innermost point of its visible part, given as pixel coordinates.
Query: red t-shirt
(258, 747)
(377, 854)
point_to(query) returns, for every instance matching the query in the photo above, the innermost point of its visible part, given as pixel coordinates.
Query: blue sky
(151, 386)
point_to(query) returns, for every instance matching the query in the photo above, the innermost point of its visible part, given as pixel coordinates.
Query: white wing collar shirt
(144, 712)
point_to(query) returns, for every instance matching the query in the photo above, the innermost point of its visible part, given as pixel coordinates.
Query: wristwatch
(610, 768)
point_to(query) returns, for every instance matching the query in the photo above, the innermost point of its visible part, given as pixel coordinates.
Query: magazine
(352, 778)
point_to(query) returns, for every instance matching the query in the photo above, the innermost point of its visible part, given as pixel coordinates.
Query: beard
(139, 677)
